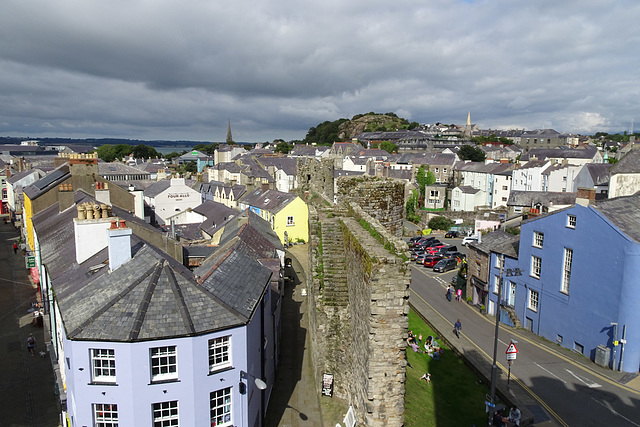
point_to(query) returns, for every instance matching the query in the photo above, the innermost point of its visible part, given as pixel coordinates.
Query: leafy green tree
(283, 147)
(171, 156)
(207, 149)
(468, 152)
(389, 147)
(106, 153)
(440, 223)
(143, 152)
(412, 205)
(191, 167)
(413, 125)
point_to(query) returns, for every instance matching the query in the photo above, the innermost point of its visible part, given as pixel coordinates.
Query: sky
(182, 70)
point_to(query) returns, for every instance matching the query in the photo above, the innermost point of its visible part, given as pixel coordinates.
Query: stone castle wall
(381, 198)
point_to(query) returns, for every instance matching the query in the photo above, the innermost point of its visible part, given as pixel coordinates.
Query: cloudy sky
(160, 69)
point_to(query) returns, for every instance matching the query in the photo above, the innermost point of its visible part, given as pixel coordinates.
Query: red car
(430, 261)
(433, 249)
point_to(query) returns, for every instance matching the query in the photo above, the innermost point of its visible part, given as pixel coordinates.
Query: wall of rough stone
(382, 198)
(316, 176)
(361, 339)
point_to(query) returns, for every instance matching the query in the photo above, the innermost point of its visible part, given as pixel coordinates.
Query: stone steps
(335, 292)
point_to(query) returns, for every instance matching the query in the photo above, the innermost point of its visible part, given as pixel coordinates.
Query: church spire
(229, 138)
(467, 128)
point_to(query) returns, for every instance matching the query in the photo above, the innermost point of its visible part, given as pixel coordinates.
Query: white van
(469, 239)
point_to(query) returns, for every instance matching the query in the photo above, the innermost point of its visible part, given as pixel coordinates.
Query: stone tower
(467, 129)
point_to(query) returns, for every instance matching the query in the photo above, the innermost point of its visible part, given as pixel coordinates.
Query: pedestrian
(15, 248)
(448, 294)
(459, 295)
(426, 377)
(457, 327)
(31, 344)
(514, 416)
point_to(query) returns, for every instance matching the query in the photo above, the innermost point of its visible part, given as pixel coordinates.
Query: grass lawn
(454, 397)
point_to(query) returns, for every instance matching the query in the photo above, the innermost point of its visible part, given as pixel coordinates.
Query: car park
(469, 239)
(450, 248)
(451, 234)
(413, 240)
(420, 258)
(435, 248)
(455, 254)
(415, 254)
(430, 261)
(445, 265)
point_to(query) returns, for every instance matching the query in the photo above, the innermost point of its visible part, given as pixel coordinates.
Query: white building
(465, 198)
(167, 197)
(529, 176)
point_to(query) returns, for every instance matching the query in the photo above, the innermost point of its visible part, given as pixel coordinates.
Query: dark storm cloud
(179, 70)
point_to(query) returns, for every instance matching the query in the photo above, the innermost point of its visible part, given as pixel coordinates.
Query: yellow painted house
(287, 213)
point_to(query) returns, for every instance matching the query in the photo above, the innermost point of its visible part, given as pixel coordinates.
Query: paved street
(26, 382)
(556, 385)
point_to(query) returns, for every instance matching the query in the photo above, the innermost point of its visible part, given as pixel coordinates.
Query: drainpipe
(623, 340)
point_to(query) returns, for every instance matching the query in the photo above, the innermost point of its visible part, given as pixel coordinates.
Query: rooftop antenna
(631, 136)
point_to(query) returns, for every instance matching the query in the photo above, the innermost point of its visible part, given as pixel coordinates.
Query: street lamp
(257, 381)
(494, 368)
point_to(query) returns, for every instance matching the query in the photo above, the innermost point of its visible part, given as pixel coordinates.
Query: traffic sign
(512, 349)
(511, 356)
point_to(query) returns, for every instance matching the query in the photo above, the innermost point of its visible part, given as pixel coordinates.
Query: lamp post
(494, 368)
(242, 388)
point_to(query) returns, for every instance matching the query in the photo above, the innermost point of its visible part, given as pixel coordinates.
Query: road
(569, 392)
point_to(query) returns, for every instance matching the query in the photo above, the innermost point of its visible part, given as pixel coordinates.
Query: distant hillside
(344, 129)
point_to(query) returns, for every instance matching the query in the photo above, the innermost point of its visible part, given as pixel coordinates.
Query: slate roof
(286, 164)
(600, 172)
(630, 163)
(47, 182)
(117, 168)
(468, 190)
(241, 224)
(624, 213)
(216, 214)
(271, 200)
(561, 153)
(18, 176)
(499, 242)
(530, 198)
(427, 159)
(481, 167)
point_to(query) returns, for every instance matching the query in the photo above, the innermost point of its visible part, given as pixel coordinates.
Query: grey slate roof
(481, 167)
(216, 214)
(18, 176)
(530, 198)
(624, 213)
(468, 190)
(600, 172)
(444, 159)
(271, 200)
(500, 242)
(47, 182)
(117, 168)
(630, 163)
(563, 153)
(157, 187)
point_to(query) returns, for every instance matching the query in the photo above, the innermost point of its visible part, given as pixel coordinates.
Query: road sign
(511, 356)
(30, 261)
(512, 349)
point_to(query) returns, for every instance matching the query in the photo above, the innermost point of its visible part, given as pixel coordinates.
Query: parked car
(445, 265)
(455, 254)
(425, 240)
(413, 240)
(450, 248)
(430, 261)
(451, 234)
(435, 248)
(469, 239)
(420, 258)
(415, 254)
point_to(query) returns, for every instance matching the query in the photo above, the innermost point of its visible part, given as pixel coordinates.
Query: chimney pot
(81, 212)
(123, 223)
(114, 224)
(103, 208)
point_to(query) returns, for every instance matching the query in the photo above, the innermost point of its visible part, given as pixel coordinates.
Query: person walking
(457, 327)
(15, 248)
(448, 294)
(31, 344)
(459, 295)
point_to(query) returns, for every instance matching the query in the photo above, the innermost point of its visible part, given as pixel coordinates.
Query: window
(496, 284)
(578, 348)
(290, 220)
(444, 170)
(478, 267)
(434, 194)
(165, 414)
(533, 300)
(103, 365)
(437, 170)
(220, 407)
(505, 188)
(536, 266)
(504, 199)
(571, 221)
(559, 339)
(499, 261)
(538, 239)
(105, 415)
(219, 353)
(566, 276)
(164, 363)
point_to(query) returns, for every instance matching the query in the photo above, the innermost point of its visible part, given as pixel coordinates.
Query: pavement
(295, 400)
(27, 386)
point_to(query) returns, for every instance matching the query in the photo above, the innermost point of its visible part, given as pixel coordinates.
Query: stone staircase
(512, 316)
(335, 292)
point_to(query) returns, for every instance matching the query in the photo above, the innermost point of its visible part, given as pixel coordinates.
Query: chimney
(65, 197)
(89, 231)
(8, 173)
(586, 196)
(119, 237)
(102, 192)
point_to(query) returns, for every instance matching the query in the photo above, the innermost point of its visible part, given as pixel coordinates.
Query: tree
(207, 149)
(283, 147)
(424, 177)
(440, 223)
(143, 152)
(191, 167)
(468, 152)
(389, 147)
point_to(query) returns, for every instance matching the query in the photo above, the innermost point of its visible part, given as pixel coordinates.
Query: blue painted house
(580, 282)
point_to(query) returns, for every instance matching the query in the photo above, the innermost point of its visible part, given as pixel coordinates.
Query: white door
(512, 294)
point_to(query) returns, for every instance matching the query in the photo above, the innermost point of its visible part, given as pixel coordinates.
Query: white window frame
(105, 415)
(538, 239)
(165, 414)
(536, 266)
(533, 300)
(571, 221)
(220, 407)
(496, 284)
(219, 353)
(164, 363)
(103, 365)
(498, 261)
(290, 221)
(566, 270)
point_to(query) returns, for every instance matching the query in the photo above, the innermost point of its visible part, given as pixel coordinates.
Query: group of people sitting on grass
(431, 346)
